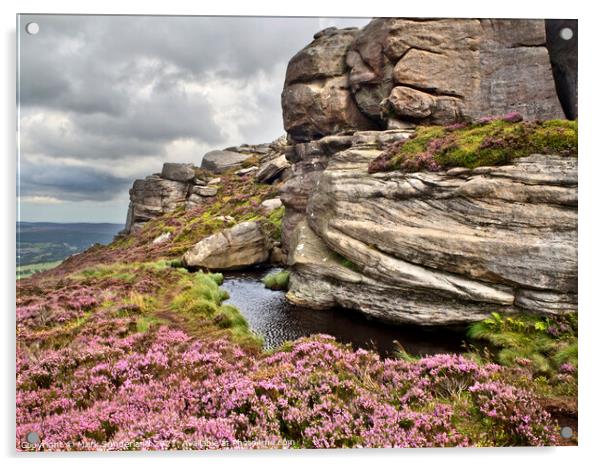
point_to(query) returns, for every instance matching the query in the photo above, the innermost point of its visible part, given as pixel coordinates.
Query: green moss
(346, 262)
(275, 220)
(250, 162)
(277, 280)
(497, 142)
(543, 345)
(202, 296)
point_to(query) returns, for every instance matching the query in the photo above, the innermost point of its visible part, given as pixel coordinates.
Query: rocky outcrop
(397, 72)
(447, 70)
(219, 161)
(242, 245)
(178, 171)
(152, 197)
(186, 185)
(310, 159)
(427, 248)
(272, 169)
(316, 99)
(439, 248)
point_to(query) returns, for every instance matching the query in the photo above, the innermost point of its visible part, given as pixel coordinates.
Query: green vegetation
(202, 298)
(485, 143)
(273, 223)
(277, 280)
(121, 272)
(144, 323)
(346, 262)
(544, 346)
(27, 270)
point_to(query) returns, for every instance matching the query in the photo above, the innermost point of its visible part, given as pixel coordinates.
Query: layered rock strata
(439, 248)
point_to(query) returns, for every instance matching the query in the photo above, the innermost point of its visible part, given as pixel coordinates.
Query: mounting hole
(32, 28)
(33, 437)
(566, 33)
(566, 432)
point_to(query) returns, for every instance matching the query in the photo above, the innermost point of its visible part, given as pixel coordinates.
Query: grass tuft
(277, 280)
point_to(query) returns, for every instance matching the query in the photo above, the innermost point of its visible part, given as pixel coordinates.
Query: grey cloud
(120, 87)
(71, 183)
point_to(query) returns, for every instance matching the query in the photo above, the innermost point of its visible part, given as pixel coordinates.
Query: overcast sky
(108, 99)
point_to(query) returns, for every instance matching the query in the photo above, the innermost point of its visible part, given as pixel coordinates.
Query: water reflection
(273, 317)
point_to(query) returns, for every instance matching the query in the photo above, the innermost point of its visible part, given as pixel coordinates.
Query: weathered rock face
(153, 197)
(397, 72)
(311, 158)
(316, 99)
(242, 245)
(219, 161)
(178, 171)
(427, 248)
(272, 169)
(432, 248)
(445, 70)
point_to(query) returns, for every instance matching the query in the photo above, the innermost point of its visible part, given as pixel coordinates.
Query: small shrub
(274, 223)
(277, 280)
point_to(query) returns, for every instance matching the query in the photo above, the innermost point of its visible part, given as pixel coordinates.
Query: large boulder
(178, 171)
(316, 99)
(272, 169)
(242, 245)
(446, 70)
(219, 161)
(439, 248)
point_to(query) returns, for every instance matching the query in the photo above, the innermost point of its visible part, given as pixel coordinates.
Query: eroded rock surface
(397, 72)
(316, 99)
(446, 70)
(178, 171)
(242, 245)
(219, 161)
(310, 159)
(433, 248)
(153, 197)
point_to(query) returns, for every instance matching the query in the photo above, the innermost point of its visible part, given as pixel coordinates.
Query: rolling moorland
(394, 196)
(43, 245)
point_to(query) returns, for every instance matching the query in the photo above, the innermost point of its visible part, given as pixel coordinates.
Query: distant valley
(42, 245)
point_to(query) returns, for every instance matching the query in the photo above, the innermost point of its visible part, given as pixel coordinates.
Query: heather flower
(87, 379)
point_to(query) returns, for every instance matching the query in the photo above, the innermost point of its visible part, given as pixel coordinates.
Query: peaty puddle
(270, 315)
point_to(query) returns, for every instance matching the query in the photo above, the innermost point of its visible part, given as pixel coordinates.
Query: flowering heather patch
(90, 377)
(488, 141)
(511, 414)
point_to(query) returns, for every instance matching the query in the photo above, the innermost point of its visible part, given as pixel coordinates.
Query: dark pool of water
(270, 315)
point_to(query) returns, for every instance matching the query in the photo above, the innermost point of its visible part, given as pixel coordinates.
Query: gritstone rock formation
(434, 248)
(428, 248)
(183, 184)
(397, 72)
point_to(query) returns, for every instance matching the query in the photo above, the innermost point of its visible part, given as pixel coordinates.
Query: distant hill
(39, 242)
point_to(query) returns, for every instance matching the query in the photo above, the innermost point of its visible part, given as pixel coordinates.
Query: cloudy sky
(107, 99)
